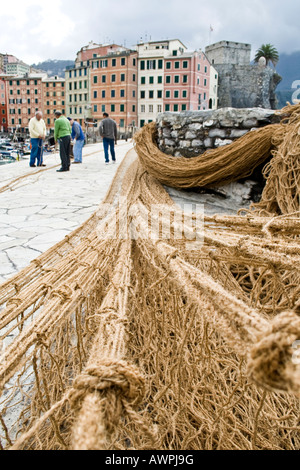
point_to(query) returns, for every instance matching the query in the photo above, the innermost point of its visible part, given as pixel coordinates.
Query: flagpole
(209, 35)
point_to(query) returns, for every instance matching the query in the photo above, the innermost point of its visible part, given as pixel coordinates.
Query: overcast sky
(37, 30)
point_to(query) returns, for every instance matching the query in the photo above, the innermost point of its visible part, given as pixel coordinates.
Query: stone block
(222, 142)
(236, 133)
(208, 143)
(197, 143)
(221, 133)
(190, 135)
(184, 144)
(169, 143)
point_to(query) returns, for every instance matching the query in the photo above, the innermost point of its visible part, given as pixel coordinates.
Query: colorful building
(114, 87)
(24, 96)
(171, 79)
(53, 98)
(187, 81)
(3, 107)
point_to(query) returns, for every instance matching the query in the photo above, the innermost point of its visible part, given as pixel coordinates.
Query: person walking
(62, 134)
(78, 138)
(37, 131)
(108, 131)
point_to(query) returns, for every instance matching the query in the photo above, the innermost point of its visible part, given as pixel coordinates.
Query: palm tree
(269, 52)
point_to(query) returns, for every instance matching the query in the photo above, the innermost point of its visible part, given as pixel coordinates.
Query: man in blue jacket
(78, 138)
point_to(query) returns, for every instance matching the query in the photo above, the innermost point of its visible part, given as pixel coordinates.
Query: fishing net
(141, 330)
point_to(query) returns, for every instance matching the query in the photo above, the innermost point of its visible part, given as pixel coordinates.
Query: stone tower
(241, 84)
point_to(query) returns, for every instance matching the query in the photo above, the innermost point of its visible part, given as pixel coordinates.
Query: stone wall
(193, 132)
(247, 86)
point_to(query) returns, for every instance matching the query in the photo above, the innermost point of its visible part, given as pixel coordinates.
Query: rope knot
(64, 293)
(271, 362)
(117, 375)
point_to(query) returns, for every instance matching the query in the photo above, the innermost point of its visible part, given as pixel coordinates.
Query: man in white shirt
(37, 131)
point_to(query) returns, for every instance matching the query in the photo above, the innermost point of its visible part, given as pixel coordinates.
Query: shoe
(60, 170)
(106, 163)
(114, 161)
(33, 166)
(77, 162)
(43, 164)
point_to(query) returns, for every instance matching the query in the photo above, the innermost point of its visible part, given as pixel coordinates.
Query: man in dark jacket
(108, 131)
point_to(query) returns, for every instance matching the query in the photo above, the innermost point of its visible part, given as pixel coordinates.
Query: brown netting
(149, 340)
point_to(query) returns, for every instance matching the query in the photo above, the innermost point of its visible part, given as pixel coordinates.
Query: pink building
(187, 81)
(3, 107)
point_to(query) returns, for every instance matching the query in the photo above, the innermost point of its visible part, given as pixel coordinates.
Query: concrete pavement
(38, 208)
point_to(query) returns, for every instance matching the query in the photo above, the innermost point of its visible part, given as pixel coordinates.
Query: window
(151, 80)
(159, 79)
(122, 77)
(143, 108)
(133, 77)
(143, 80)
(159, 108)
(112, 108)
(123, 61)
(134, 62)
(95, 80)
(142, 123)
(168, 65)
(103, 78)
(151, 64)
(168, 78)
(133, 108)
(184, 94)
(142, 65)
(95, 94)
(176, 94)
(151, 94)
(183, 107)
(176, 79)
(133, 93)
(150, 108)
(142, 95)
(184, 79)
(168, 94)
(177, 65)
(122, 93)
(205, 82)
(122, 108)
(167, 107)
(159, 94)
(122, 122)
(175, 107)
(174, 53)
(103, 108)
(113, 78)
(113, 93)
(185, 64)
(113, 62)
(160, 64)
(205, 69)
(103, 93)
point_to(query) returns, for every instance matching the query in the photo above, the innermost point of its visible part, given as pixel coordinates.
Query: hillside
(54, 67)
(288, 68)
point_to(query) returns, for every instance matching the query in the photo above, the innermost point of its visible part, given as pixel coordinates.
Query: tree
(269, 52)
